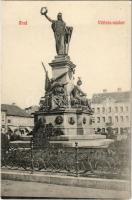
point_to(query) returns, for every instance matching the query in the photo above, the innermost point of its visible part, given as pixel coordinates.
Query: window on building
(3, 118)
(98, 119)
(121, 108)
(116, 118)
(121, 118)
(125, 130)
(110, 119)
(9, 121)
(98, 130)
(127, 119)
(103, 109)
(109, 109)
(103, 119)
(116, 130)
(103, 130)
(121, 131)
(116, 109)
(93, 119)
(126, 108)
(98, 110)
(93, 109)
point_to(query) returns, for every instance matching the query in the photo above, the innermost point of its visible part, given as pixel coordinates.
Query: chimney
(104, 90)
(13, 104)
(119, 89)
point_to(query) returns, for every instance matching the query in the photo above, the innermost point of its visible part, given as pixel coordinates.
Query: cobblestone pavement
(34, 189)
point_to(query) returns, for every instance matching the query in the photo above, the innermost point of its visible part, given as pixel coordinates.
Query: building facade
(111, 110)
(13, 119)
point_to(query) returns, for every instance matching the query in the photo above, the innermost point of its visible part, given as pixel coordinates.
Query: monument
(65, 112)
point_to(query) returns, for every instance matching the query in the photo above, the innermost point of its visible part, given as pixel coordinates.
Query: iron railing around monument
(73, 161)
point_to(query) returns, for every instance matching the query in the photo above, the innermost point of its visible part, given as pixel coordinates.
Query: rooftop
(32, 109)
(14, 110)
(118, 96)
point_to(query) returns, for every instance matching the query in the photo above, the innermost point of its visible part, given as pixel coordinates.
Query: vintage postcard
(65, 106)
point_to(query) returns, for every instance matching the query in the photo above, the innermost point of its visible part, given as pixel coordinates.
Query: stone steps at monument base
(25, 142)
(99, 143)
(77, 137)
(26, 138)
(20, 144)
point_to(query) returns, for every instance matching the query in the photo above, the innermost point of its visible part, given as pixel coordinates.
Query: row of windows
(109, 109)
(116, 130)
(3, 120)
(3, 117)
(117, 118)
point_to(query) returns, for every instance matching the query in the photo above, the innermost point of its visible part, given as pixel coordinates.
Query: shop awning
(29, 129)
(22, 129)
(12, 128)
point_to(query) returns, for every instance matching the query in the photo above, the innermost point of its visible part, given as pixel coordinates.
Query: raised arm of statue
(44, 11)
(48, 18)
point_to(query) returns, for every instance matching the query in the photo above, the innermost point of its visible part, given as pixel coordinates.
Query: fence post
(76, 158)
(32, 165)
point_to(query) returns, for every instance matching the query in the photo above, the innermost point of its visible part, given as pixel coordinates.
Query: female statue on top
(62, 32)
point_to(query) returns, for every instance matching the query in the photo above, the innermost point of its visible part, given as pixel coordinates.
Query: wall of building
(20, 121)
(116, 114)
(15, 121)
(3, 121)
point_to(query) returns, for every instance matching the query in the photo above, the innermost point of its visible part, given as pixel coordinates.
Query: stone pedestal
(69, 121)
(96, 142)
(73, 126)
(60, 65)
(62, 71)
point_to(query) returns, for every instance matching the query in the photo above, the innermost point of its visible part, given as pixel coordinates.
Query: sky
(101, 53)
